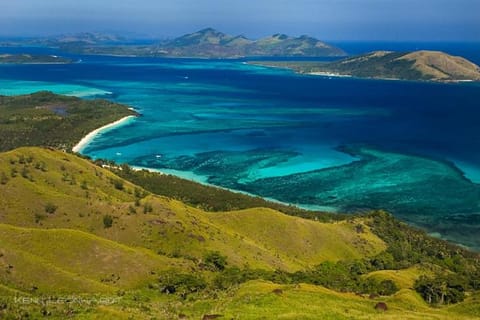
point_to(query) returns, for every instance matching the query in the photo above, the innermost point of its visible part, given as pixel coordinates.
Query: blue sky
(433, 20)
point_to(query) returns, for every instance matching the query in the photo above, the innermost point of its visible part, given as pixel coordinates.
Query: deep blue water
(337, 144)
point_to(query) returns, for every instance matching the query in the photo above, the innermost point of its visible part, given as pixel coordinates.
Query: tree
(441, 289)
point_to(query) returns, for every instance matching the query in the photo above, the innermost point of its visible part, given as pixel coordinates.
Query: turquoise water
(339, 144)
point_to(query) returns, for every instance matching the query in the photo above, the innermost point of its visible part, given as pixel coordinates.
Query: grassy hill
(83, 193)
(59, 261)
(55, 240)
(418, 65)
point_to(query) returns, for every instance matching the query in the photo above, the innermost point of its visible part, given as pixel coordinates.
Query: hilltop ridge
(418, 65)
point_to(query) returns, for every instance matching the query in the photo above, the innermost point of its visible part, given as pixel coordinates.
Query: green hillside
(83, 193)
(249, 264)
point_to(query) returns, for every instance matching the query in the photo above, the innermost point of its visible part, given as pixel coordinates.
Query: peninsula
(417, 65)
(50, 120)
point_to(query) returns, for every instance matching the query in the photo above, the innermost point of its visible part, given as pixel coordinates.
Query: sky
(391, 20)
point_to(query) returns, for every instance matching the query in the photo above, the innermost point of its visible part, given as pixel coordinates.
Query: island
(32, 59)
(206, 43)
(417, 65)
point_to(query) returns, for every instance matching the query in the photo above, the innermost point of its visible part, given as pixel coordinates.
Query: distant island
(32, 59)
(206, 43)
(417, 65)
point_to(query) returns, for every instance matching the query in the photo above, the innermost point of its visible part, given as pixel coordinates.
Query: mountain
(418, 65)
(212, 43)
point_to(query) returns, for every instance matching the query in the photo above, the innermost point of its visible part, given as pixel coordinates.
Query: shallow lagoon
(337, 144)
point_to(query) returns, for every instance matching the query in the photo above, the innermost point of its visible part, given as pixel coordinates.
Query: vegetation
(215, 261)
(208, 198)
(50, 208)
(46, 119)
(107, 221)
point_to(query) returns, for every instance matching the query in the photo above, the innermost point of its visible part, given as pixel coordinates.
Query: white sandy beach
(329, 74)
(89, 137)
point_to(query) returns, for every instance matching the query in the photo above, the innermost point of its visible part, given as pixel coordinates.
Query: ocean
(335, 144)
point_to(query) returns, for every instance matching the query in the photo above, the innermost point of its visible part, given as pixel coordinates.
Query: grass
(305, 242)
(405, 278)
(60, 261)
(266, 300)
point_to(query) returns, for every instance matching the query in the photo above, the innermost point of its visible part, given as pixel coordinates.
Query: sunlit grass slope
(82, 194)
(54, 239)
(63, 260)
(264, 300)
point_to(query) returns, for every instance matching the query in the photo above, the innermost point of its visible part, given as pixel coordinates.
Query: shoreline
(80, 146)
(203, 181)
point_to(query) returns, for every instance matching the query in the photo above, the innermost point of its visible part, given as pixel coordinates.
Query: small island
(32, 59)
(417, 65)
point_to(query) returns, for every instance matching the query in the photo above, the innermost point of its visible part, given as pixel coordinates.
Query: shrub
(132, 210)
(50, 208)
(107, 221)
(181, 283)
(3, 178)
(147, 208)
(39, 217)
(215, 261)
(118, 184)
(387, 288)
